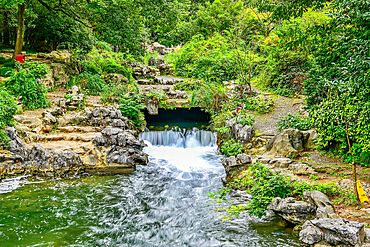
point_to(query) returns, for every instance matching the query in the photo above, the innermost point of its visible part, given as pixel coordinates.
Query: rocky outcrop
(243, 133)
(152, 106)
(332, 232)
(36, 160)
(233, 165)
(161, 49)
(316, 206)
(119, 147)
(291, 142)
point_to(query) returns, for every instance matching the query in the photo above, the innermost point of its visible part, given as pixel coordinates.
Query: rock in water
(332, 232)
(292, 210)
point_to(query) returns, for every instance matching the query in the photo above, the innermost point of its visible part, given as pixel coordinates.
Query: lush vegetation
(264, 185)
(8, 108)
(294, 121)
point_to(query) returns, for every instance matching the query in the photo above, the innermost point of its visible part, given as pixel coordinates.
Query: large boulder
(240, 132)
(323, 206)
(332, 232)
(292, 210)
(288, 142)
(316, 206)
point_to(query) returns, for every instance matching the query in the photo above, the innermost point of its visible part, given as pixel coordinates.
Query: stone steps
(63, 146)
(83, 137)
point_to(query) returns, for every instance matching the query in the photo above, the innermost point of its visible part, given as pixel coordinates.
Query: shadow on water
(162, 204)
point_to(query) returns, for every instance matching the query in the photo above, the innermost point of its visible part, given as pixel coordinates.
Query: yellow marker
(361, 193)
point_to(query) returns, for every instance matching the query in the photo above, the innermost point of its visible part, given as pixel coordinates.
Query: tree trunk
(20, 31)
(6, 39)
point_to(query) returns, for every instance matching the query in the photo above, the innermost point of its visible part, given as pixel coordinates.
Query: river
(162, 204)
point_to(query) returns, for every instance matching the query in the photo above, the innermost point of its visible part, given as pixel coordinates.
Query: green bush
(34, 94)
(100, 61)
(294, 121)
(38, 69)
(8, 108)
(6, 72)
(131, 106)
(265, 185)
(3, 60)
(231, 147)
(91, 84)
(9, 65)
(113, 92)
(210, 96)
(209, 59)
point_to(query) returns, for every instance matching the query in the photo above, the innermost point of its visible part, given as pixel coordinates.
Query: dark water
(162, 204)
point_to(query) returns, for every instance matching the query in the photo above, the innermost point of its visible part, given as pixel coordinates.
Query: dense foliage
(24, 84)
(8, 108)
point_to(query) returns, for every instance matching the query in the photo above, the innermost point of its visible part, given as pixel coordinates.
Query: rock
(74, 90)
(48, 118)
(229, 162)
(292, 210)
(161, 49)
(324, 208)
(109, 131)
(48, 80)
(67, 160)
(16, 144)
(69, 129)
(240, 132)
(300, 168)
(244, 159)
(281, 162)
(116, 78)
(152, 106)
(32, 122)
(332, 232)
(167, 80)
(288, 142)
(39, 158)
(155, 62)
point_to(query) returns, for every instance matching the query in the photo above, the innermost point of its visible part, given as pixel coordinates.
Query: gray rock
(292, 210)
(300, 168)
(104, 111)
(67, 160)
(333, 232)
(109, 131)
(324, 207)
(288, 142)
(119, 123)
(155, 62)
(244, 159)
(241, 133)
(96, 112)
(229, 162)
(152, 106)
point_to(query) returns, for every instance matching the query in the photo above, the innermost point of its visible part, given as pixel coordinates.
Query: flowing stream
(162, 204)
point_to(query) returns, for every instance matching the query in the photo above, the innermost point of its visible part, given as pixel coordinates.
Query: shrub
(100, 61)
(131, 106)
(92, 84)
(33, 93)
(231, 147)
(265, 185)
(39, 70)
(210, 96)
(6, 72)
(3, 60)
(8, 108)
(113, 92)
(208, 59)
(294, 121)
(9, 65)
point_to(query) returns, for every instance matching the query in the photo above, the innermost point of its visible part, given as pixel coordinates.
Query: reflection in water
(162, 204)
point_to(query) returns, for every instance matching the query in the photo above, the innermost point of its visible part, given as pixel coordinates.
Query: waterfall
(180, 138)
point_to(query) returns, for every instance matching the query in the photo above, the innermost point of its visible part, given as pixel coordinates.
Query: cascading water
(162, 204)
